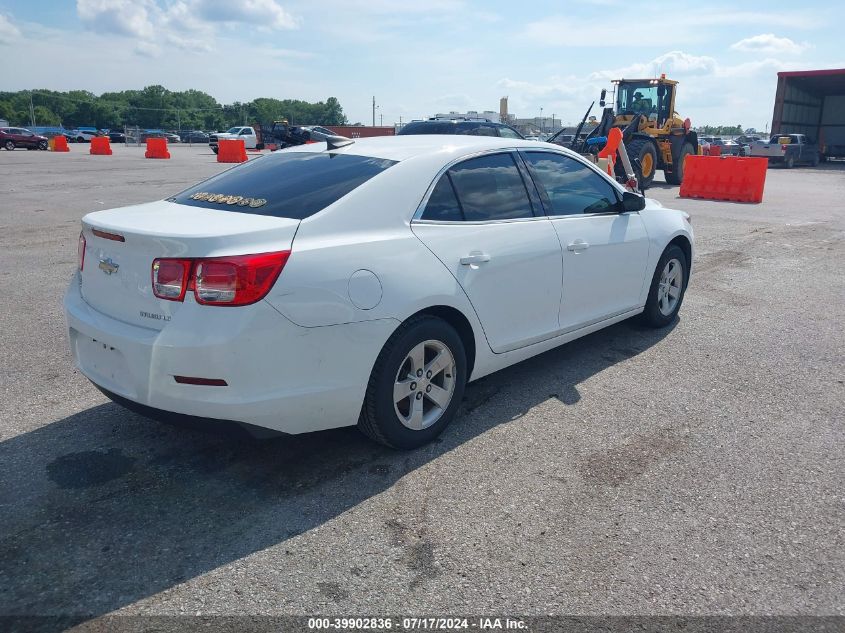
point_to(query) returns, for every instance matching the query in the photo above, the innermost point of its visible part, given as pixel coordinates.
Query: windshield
(233, 130)
(650, 100)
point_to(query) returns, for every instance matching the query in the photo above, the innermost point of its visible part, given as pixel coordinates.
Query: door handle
(475, 257)
(578, 245)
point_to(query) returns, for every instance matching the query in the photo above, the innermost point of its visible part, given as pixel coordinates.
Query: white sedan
(364, 282)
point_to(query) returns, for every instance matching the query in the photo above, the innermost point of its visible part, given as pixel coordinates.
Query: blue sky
(419, 58)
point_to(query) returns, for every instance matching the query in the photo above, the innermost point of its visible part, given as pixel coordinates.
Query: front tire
(417, 384)
(668, 286)
(644, 151)
(676, 176)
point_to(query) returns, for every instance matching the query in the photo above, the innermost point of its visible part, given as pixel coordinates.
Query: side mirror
(632, 202)
(602, 96)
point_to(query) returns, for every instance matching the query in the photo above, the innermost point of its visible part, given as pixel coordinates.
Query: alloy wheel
(424, 385)
(670, 285)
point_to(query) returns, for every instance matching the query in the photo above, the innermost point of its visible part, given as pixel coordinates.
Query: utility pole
(31, 111)
(374, 110)
(381, 119)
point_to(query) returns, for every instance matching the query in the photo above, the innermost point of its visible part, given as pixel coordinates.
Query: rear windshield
(284, 184)
(449, 127)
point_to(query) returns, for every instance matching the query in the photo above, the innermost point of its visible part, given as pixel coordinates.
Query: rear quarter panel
(369, 231)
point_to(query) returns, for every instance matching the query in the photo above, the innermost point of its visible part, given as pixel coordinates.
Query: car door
(483, 220)
(605, 250)
(248, 135)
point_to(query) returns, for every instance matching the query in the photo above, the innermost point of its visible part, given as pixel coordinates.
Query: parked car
(117, 137)
(745, 142)
(83, 136)
(172, 138)
(324, 285)
(243, 132)
(471, 127)
(194, 136)
(317, 133)
(787, 150)
(14, 137)
(731, 148)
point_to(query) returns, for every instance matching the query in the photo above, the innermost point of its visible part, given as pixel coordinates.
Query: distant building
(4, 123)
(536, 125)
(490, 115)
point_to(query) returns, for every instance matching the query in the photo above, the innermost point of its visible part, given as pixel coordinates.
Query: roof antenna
(336, 142)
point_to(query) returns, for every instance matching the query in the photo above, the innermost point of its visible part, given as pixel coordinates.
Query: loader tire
(676, 176)
(645, 153)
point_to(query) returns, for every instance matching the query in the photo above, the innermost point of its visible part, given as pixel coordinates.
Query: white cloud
(260, 12)
(125, 17)
(8, 31)
(147, 49)
(769, 43)
(671, 63)
(186, 25)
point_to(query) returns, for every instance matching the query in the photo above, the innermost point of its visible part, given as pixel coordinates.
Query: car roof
(403, 147)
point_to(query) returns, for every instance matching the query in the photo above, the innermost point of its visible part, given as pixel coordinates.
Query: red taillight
(220, 281)
(170, 278)
(783, 148)
(237, 281)
(80, 251)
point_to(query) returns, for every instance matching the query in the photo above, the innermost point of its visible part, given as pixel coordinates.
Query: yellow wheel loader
(655, 136)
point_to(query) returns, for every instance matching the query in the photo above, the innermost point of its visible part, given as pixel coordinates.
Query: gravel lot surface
(694, 470)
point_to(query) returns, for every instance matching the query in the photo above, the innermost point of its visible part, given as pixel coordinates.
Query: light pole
(542, 123)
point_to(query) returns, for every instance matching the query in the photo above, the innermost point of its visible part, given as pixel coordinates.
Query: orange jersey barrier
(59, 144)
(157, 148)
(231, 151)
(729, 178)
(100, 146)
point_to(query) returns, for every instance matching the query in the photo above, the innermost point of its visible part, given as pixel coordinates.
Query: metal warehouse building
(812, 102)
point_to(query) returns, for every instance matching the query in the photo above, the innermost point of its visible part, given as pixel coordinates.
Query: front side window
(569, 187)
(490, 188)
(284, 184)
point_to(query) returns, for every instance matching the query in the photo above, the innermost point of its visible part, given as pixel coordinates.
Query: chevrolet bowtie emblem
(108, 266)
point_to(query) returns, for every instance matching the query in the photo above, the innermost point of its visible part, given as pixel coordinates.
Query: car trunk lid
(121, 245)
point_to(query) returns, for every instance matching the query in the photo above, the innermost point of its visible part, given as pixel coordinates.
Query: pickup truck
(245, 133)
(787, 150)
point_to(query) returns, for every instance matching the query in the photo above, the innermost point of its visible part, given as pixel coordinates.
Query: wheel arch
(683, 242)
(462, 325)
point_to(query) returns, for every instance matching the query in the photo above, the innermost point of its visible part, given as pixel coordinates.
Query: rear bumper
(279, 375)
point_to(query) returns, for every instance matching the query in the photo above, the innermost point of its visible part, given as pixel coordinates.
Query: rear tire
(668, 286)
(644, 151)
(789, 163)
(676, 176)
(43, 145)
(426, 356)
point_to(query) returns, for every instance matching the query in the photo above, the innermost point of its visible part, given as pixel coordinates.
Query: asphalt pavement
(692, 470)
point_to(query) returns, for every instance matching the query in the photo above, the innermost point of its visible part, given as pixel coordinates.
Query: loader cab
(654, 99)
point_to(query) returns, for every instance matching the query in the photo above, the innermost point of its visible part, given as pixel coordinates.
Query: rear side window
(568, 187)
(443, 204)
(487, 188)
(284, 184)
